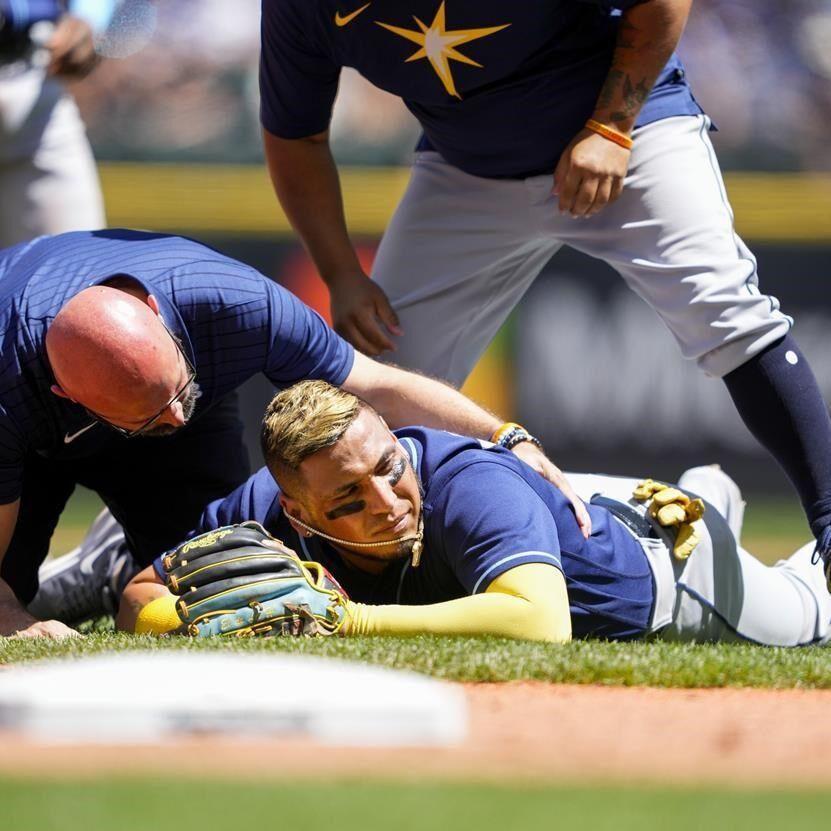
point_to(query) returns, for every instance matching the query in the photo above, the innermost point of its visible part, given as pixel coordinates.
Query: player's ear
(291, 508)
(56, 390)
(303, 532)
(153, 304)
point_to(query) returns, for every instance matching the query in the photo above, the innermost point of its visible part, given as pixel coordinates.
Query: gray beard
(188, 407)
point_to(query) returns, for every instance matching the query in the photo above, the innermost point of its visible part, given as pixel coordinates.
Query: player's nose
(382, 497)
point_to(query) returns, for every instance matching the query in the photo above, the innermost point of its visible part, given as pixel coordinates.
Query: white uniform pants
(723, 593)
(48, 180)
(460, 251)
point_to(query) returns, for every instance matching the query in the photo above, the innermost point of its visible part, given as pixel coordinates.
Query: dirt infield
(528, 732)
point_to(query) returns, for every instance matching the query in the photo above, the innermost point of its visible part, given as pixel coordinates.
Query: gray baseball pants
(460, 251)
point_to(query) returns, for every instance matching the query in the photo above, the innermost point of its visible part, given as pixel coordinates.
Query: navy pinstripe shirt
(233, 323)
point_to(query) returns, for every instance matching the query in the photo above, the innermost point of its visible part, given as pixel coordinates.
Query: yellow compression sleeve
(158, 616)
(529, 601)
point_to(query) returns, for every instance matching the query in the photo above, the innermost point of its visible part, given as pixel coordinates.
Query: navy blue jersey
(485, 512)
(499, 88)
(232, 321)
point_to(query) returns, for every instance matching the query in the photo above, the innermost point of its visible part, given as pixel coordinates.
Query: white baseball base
(145, 697)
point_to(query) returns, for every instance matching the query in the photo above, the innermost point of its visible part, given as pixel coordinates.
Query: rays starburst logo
(438, 45)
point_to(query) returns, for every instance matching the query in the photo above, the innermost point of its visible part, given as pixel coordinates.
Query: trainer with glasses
(122, 351)
(430, 532)
(546, 123)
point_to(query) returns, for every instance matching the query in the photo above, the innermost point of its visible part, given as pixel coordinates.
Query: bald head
(111, 353)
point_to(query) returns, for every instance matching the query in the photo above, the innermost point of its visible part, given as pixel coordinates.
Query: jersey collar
(414, 451)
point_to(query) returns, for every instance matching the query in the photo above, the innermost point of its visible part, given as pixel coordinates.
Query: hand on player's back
(362, 314)
(72, 48)
(590, 174)
(534, 457)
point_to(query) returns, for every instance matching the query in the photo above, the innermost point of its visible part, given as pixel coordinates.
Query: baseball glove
(239, 580)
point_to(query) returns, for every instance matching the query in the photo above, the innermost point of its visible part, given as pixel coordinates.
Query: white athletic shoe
(711, 483)
(87, 582)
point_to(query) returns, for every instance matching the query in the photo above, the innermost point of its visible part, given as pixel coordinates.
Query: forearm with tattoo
(647, 36)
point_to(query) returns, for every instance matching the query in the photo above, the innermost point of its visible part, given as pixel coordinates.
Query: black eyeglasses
(131, 434)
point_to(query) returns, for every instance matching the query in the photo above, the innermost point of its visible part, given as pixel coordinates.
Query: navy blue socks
(778, 399)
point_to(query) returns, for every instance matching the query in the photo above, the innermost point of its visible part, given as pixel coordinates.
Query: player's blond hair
(303, 419)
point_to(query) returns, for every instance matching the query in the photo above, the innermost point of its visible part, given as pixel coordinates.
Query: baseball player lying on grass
(432, 532)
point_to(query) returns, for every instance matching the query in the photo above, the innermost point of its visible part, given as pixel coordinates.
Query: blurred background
(172, 115)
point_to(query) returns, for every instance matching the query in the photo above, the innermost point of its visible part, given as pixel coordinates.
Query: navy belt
(636, 522)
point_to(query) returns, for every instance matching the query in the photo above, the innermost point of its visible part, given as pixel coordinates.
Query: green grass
(497, 659)
(172, 805)
(79, 512)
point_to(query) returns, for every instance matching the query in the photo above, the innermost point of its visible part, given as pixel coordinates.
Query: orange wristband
(609, 133)
(504, 429)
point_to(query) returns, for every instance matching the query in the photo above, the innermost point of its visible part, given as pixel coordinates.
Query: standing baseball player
(122, 353)
(47, 173)
(433, 532)
(545, 124)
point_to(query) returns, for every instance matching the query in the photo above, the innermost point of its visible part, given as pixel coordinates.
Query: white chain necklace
(418, 546)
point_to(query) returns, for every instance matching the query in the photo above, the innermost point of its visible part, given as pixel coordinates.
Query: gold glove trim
(205, 540)
(177, 584)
